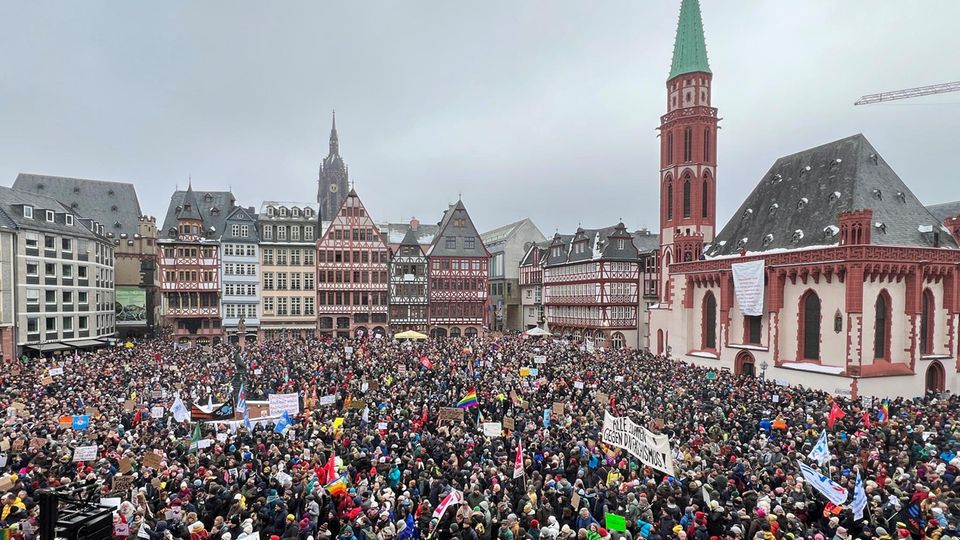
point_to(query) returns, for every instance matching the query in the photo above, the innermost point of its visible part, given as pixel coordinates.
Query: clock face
(333, 188)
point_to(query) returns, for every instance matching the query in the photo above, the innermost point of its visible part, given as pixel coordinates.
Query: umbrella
(536, 332)
(410, 334)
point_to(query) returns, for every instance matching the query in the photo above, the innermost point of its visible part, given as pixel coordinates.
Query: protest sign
(120, 530)
(328, 399)
(152, 460)
(450, 414)
(85, 453)
(382, 426)
(601, 397)
(46, 381)
(17, 445)
(652, 450)
(524, 372)
(204, 443)
(283, 478)
(508, 423)
(111, 502)
(125, 465)
(618, 378)
(258, 372)
(55, 371)
(558, 408)
(280, 403)
(221, 437)
(129, 405)
(540, 359)
(575, 501)
(156, 412)
(578, 385)
(37, 443)
(357, 404)
(92, 411)
(3, 463)
(616, 523)
(121, 484)
(492, 429)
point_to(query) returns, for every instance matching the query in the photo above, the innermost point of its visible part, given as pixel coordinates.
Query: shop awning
(48, 347)
(87, 343)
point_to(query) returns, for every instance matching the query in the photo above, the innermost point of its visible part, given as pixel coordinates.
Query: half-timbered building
(409, 298)
(531, 286)
(459, 270)
(592, 285)
(352, 272)
(189, 261)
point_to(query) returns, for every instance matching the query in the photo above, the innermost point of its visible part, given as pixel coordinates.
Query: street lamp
(763, 369)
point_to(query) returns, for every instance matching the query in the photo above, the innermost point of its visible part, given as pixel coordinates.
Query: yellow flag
(337, 423)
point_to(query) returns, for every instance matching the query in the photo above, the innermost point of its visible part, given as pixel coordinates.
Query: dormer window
(295, 212)
(207, 197)
(768, 239)
(269, 210)
(28, 211)
(620, 243)
(308, 212)
(283, 212)
(50, 216)
(69, 220)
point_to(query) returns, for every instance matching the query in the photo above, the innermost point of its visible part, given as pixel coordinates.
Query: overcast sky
(541, 109)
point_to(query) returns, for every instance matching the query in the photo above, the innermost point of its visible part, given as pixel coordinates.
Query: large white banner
(748, 285)
(833, 491)
(652, 450)
(284, 402)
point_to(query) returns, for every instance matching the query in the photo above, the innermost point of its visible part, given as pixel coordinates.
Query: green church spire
(689, 48)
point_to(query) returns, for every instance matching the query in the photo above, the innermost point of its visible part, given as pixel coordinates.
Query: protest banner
(329, 399)
(281, 403)
(508, 423)
(492, 429)
(85, 453)
(357, 405)
(156, 412)
(540, 359)
(152, 460)
(652, 450)
(55, 371)
(450, 414)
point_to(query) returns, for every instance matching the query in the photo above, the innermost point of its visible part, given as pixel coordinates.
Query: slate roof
(410, 239)
(213, 207)
(448, 228)
(241, 215)
(114, 204)
(527, 259)
(945, 210)
(601, 244)
(396, 232)
(11, 206)
(800, 196)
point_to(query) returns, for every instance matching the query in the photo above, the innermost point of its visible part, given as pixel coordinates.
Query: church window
(705, 198)
(810, 326)
(881, 326)
(686, 197)
(709, 321)
(669, 199)
(927, 305)
(687, 144)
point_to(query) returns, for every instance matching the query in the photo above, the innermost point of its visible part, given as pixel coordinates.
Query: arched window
(706, 144)
(670, 199)
(686, 196)
(709, 322)
(810, 326)
(670, 147)
(881, 326)
(705, 198)
(687, 144)
(927, 306)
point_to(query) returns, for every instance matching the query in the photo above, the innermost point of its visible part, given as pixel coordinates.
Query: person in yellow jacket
(12, 506)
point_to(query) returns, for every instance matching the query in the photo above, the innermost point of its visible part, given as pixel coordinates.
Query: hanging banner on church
(652, 450)
(748, 285)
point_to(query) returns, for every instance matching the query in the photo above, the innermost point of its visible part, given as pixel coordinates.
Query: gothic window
(705, 198)
(670, 147)
(706, 144)
(687, 144)
(686, 196)
(927, 305)
(810, 326)
(669, 199)
(881, 326)
(754, 325)
(709, 322)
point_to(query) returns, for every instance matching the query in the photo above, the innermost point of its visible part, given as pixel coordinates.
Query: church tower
(688, 143)
(334, 175)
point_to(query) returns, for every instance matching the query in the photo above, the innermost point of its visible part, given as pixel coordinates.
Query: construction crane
(909, 93)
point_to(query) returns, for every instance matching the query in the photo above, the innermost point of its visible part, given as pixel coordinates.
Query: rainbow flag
(337, 487)
(469, 400)
(884, 414)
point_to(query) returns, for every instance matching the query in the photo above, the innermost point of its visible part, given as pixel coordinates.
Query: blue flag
(283, 423)
(859, 499)
(246, 420)
(81, 422)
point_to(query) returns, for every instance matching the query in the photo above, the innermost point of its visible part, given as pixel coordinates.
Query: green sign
(616, 523)
(131, 305)
(711, 375)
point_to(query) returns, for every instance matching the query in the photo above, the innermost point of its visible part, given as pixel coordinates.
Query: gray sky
(542, 109)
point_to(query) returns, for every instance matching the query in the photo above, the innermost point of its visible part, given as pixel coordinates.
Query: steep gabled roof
(795, 205)
(528, 258)
(212, 206)
(113, 204)
(945, 210)
(689, 46)
(456, 223)
(13, 200)
(601, 244)
(410, 239)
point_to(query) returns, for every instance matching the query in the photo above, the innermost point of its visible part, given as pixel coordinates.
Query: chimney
(414, 224)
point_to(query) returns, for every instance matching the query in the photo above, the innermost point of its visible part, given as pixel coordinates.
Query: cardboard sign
(129, 405)
(92, 411)
(601, 397)
(125, 465)
(558, 408)
(46, 381)
(120, 530)
(492, 429)
(37, 443)
(373, 384)
(357, 404)
(17, 445)
(451, 414)
(122, 484)
(18, 406)
(152, 460)
(575, 501)
(85, 453)
(4, 445)
(508, 423)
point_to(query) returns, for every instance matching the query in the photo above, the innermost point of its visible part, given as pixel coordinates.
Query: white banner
(56, 371)
(492, 429)
(652, 450)
(280, 403)
(85, 453)
(540, 359)
(328, 400)
(748, 285)
(833, 491)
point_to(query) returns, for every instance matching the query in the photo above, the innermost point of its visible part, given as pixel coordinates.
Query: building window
(705, 198)
(927, 306)
(50, 216)
(28, 212)
(686, 196)
(754, 325)
(83, 323)
(881, 326)
(294, 232)
(670, 147)
(709, 322)
(451, 242)
(810, 326)
(687, 144)
(244, 231)
(268, 256)
(51, 324)
(308, 232)
(281, 306)
(706, 144)
(669, 198)
(268, 305)
(68, 220)
(281, 232)
(235, 230)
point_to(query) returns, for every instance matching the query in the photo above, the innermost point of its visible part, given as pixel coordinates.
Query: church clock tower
(334, 175)
(688, 143)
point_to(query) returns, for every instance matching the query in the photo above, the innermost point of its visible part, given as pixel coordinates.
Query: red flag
(330, 469)
(866, 419)
(425, 362)
(835, 414)
(518, 461)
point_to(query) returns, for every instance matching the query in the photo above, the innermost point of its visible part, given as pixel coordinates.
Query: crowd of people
(380, 460)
